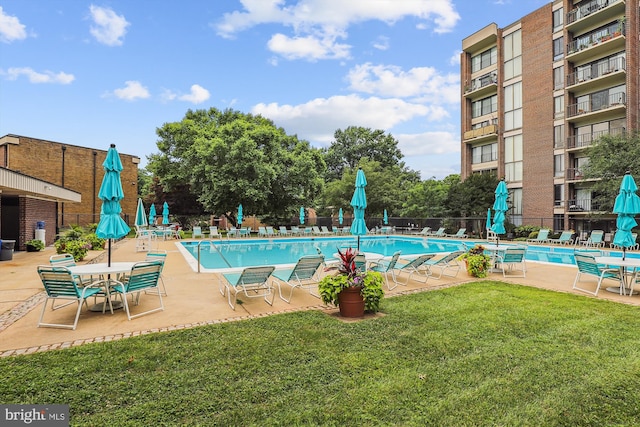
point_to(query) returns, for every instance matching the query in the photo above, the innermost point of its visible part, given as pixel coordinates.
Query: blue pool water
(222, 255)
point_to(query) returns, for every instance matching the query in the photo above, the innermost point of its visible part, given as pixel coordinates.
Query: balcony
(582, 141)
(589, 13)
(597, 44)
(600, 74)
(482, 86)
(614, 103)
(582, 206)
(480, 134)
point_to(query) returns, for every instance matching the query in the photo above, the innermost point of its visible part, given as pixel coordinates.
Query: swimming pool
(217, 256)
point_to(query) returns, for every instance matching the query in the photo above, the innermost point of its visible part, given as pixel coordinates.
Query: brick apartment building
(536, 93)
(57, 183)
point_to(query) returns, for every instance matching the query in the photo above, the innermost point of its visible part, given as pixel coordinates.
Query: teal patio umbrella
(152, 214)
(165, 214)
(301, 215)
(111, 225)
(141, 214)
(340, 216)
(627, 206)
(385, 218)
(359, 203)
(500, 209)
(488, 225)
(240, 214)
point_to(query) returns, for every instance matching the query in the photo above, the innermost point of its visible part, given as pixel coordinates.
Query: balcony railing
(596, 104)
(587, 41)
(482, 81)
(582, 205)
(574, 174)
(587, 8)
(483, 131)
(601, 69)
(585, 140)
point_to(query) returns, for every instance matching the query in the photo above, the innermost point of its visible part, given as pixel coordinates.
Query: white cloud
(318, 18)
(318, 119)
(381, 43)
(455, 58)
(10, 28)
(197, 95)
(133, 90)
(420, 82)
(109, 28)
(428, 143)
(309, 47)
(36, 77)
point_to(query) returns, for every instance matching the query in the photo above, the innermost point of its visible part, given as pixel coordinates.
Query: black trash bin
(6, 249)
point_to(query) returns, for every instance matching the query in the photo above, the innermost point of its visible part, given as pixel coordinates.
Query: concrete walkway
(193, 299)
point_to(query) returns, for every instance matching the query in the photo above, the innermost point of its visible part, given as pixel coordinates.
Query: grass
(484, 353)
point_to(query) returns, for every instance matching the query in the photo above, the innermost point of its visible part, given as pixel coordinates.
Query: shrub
(77, 248)
(35, 244)
(96, 242)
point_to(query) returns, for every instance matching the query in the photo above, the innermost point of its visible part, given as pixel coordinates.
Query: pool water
(225, 254)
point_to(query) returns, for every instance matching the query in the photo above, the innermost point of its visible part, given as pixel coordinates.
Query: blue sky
(95, 73)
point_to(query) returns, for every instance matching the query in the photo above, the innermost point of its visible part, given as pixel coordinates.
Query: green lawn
(484, 353)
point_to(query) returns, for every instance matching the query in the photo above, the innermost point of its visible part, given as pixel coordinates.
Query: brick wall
(34, 210)
(76, 168)
(537, 120)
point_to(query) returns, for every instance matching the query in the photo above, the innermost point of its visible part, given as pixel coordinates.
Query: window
(512, 55)
(484, 106)
(558, 165)
(513, 106)
(558, 107)
(558, 136)
(558, 48)
(558, 77)
(558, 19)
(484, 59)
(558, 195)
(516, 206)
(484, 153)
(513, 158)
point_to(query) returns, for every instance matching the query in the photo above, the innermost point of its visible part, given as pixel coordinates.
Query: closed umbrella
(340, 216)
(500, 208)
(165, 214)
(488, 226)
(301, 215)
(141, 215)
(111, 225)
(627, 206)
(239, 214)
(385, 218)
(152, 214)
(359, 203)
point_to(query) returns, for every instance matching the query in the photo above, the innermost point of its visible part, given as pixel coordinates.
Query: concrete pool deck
(193, 299)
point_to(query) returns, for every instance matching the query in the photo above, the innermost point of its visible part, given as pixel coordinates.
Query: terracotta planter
(350, 302)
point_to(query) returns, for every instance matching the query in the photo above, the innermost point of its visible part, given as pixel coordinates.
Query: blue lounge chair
(448, 264)
(386, 267)
(460, 234)
(566, 238)
(595, 240)
(542, 237)
(305, 274)
(415, 266)
(253, 281)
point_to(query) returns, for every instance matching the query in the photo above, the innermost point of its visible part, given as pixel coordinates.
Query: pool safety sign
(34, 415)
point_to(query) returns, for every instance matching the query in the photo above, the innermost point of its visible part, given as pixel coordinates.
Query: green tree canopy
(610, 157)
(383, 184)
(228, 157)
(473, 196)
(426, 199)
(355, 143)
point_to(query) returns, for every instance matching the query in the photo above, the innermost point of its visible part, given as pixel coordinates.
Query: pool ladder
(217, 250)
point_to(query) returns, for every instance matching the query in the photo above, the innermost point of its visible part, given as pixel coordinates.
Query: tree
(228, 157)
(382, 189)
(610, 157)
(355, 143)
(472, 196)
(426, 199)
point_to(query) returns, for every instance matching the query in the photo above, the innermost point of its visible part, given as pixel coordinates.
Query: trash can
(6, 249)
(41, 235)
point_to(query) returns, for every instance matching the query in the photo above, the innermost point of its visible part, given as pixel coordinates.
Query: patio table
(101, 270)
(625, 276)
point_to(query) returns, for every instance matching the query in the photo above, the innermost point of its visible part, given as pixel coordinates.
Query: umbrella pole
(624, 252)
(358, 243)
(109, 254)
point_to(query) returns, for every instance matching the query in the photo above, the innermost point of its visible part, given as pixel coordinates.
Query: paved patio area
(193, 299)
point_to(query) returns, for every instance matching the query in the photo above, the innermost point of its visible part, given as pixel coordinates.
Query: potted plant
(34, 245)
(352, 289)
(478, 263)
